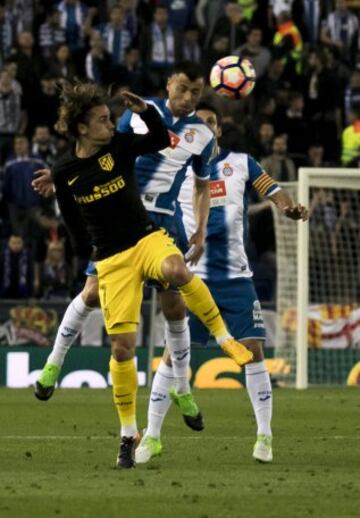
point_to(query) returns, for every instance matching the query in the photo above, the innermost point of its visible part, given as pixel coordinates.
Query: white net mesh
(333, 312)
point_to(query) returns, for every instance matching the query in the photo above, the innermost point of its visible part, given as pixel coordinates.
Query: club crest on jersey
(227, 169)
(189, 136)
(174, 139)
(106, 162)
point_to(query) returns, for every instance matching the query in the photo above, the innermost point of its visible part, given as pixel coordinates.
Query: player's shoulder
(201, 127)
(158, 103)
(62, 165)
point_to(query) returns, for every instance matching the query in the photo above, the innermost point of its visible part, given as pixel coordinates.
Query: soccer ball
(233, 77)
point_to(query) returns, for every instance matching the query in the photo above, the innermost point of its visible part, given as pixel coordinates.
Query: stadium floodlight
(318, 265)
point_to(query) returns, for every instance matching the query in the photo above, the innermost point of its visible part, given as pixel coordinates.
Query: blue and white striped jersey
(161, 174)
(231, 176)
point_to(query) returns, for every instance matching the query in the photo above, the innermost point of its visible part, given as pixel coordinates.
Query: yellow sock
(124, 380)
(199, 301)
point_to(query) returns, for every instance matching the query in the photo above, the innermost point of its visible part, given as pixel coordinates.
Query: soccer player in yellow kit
(101, 206)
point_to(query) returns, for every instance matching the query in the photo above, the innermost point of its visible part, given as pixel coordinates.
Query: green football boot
(189, 409)
(45, 385)
(148, 448)
(263, 448)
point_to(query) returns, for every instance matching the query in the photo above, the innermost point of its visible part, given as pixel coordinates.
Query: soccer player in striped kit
(225, 268)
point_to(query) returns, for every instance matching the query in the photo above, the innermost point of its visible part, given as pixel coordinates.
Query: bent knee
(175, 271)
(90, 293)
(256, 347)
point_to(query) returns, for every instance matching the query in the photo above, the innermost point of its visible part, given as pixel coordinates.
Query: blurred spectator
(43, 107)
(51, 34)
(311, 11)
(259, 56)
(322, 213)
(30, 65)
(131, 19)
(217, 50)
(190, 47)
(52, 277)
(207, 13)
(347, 253)
(73, 16)
(263, 142)
(181, 13)
(62, 64)
(294, 124)
(278, 164)
(315, 156)
(15, 269)
(248, 8)
(288, 43)
(340, 30)
(117, 38)
(279, 6)
(274, 83)
(11, 67)
(43, 145)
(350, 149)
(323, 96)
(6, 33)
(22, 13)
(233, 25)
(352, 94)
(98, 62)
(23, 201)
(132, 72)
(12, 118)
(158, 45)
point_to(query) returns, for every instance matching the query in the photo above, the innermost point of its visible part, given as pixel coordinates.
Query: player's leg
(171, 380)
(124, 385)
(120, 293)
(258, 385)
(200, 302)
(243, 315)
(177, 339)
(159, 404)
(70, 326)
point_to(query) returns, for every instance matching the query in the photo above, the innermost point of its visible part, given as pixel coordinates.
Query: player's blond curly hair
(77, 99)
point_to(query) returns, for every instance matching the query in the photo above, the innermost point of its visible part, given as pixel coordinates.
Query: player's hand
(134, 102)
(43, 183)
(196, 248)
(296, 212)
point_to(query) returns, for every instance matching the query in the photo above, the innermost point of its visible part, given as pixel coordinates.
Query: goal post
(318, 278)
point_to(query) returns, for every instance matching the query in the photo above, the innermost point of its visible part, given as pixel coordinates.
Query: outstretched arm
(287, 205)
(201, 205)
(157, 137)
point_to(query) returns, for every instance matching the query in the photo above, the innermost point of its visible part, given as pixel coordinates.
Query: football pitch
(57, 458)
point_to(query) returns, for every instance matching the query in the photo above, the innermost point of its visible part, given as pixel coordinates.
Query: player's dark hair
(192, 70)
(206, 105)
(77, 99)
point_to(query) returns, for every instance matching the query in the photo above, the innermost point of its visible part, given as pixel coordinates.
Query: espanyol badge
(227, 169)
(189, 136)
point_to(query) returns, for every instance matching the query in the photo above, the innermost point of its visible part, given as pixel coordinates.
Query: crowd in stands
(304, 110)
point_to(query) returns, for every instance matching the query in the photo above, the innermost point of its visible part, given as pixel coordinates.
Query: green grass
(56, 458)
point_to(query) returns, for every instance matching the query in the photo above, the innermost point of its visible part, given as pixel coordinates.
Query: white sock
(177, 338)
(160, 401)
(129, 430)
(69, 328)
(259, 388)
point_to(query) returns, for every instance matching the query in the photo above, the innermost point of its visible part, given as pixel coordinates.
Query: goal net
(318, 281)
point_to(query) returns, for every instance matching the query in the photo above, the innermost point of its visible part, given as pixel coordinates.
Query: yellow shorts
(121, 278)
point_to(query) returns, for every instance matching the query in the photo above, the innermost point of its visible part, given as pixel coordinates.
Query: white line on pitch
(169, 437)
